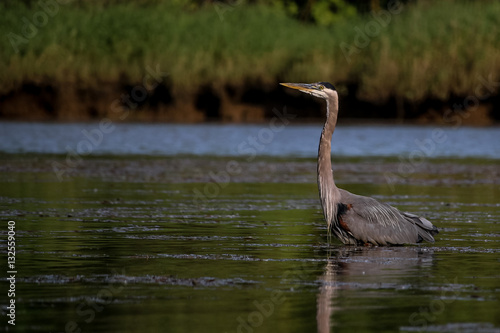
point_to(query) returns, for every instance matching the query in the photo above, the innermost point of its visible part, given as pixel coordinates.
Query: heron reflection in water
(351, 271)
(355, 219)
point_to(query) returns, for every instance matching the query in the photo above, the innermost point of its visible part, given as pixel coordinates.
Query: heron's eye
(321, 87)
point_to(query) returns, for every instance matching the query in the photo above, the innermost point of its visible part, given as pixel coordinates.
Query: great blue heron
(356, 219)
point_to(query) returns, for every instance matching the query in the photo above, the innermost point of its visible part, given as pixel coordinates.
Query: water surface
(139, 237)
(242, 140)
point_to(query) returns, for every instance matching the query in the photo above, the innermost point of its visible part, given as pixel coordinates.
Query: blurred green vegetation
(421, 50)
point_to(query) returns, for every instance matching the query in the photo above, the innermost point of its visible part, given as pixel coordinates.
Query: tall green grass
(428, 50)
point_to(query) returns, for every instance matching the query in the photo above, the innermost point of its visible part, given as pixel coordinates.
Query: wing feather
(371, 221)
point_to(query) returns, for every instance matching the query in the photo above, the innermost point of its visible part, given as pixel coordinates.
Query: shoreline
(71, 103)
(161, 61)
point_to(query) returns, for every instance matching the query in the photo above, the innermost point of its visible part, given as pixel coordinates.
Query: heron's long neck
(328, 192)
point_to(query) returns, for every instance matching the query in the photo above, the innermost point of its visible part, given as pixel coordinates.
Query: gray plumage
(352, 218)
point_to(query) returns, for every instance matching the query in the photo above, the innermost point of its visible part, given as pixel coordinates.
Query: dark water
(238, 244)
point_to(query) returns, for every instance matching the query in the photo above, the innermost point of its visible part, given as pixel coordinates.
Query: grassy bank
(427, 50)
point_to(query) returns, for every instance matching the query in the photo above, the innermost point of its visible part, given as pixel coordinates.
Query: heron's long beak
(306, 87)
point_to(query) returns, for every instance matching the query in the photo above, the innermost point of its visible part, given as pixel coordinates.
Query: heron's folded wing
(374, 222)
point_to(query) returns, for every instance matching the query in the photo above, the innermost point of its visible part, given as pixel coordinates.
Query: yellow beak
(300, 86)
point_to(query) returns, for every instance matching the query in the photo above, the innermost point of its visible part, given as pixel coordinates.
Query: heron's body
(356, 219)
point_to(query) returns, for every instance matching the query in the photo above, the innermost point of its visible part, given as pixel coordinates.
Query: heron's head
(322, 90)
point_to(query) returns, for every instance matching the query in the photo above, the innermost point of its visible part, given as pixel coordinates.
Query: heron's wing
(374, 222)
(424, 227)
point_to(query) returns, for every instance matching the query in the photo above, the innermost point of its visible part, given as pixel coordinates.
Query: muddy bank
(190, 169)
(46, 101)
